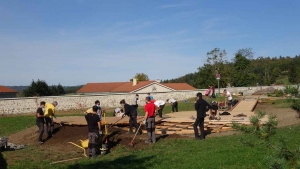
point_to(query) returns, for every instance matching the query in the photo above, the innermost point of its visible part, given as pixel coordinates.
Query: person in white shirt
(118, 112)
(135, 101)
(174, 104)
(229, 98)
(160, 104)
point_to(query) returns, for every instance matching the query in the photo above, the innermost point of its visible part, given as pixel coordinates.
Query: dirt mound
(65, 134)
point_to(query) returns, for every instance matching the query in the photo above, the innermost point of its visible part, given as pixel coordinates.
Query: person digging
(40, 121)
(149, 120)
(200, 106)
(131, 112)
(49, 114)
(94, 129)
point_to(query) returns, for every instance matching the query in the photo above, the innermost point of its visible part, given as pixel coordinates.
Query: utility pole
(218, 78)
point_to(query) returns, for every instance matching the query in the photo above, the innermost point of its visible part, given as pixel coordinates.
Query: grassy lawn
(217, 152)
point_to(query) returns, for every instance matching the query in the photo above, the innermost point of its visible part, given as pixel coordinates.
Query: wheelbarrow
(84, 146)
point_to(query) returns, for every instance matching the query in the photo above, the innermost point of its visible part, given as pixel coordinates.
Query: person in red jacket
(149, 120)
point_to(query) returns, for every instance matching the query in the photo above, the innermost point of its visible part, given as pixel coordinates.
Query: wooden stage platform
(180, 122)
(80, 120)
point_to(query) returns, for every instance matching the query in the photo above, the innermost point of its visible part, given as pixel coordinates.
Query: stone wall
(29, 105)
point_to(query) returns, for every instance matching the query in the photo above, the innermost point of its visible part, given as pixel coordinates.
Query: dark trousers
(93, 144)
(160, 111)
(150, 123)
(135, 106)
(133, 122)
(175, 107)
(41, 130)
(49, 126)
(200, 122)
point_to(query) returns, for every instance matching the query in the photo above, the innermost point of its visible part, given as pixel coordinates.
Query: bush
(279, 93)
(292, 90)
(282, 155)
(296, 104)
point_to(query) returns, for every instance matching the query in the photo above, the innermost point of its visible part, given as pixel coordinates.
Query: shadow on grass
(126, 162)
(3, 164)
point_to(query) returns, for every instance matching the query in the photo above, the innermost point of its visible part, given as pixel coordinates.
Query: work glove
(144, 122)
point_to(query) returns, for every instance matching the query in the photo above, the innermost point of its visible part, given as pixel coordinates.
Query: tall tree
(216, 58)
(38, 88)
(246, 52)
(141, 77)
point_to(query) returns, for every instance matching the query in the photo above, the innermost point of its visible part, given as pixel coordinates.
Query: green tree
(141, 77)
(294, 72)
(38, 88)
(216, 58)
(60, 89)
(246, 52)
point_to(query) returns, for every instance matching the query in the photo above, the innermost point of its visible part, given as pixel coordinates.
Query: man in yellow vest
(49, 114)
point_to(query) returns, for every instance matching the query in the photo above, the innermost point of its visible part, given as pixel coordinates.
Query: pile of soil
(65, 134)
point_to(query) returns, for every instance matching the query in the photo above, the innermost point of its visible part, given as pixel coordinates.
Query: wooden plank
(182, 125)
(174, 128)
(169, 124)
(162, 127)
(185, 132)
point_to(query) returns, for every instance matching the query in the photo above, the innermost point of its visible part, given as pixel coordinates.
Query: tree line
(41, 88)
(243, 70)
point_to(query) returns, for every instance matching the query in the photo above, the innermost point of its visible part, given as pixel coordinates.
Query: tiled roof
(100, 87)
(179, 86)
(127, 87)
(7, 90)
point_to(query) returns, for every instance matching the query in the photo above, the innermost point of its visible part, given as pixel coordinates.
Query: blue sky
(73, 42)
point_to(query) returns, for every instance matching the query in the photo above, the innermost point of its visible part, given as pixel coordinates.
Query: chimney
(158, 80)
(134, 82)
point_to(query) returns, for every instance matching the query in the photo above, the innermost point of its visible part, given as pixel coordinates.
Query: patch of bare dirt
(285, 116)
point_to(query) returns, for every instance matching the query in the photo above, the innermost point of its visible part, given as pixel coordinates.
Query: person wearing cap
(151, 97)
(49, 114)
(174, 104)
(132, 114)
(94, 130)
(40, 121)
(201, 107)
(160, 104)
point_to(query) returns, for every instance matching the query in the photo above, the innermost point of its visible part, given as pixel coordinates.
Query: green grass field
(217, 152)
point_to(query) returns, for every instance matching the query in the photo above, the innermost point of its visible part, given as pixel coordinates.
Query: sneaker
(198, 138)
(40, 142)
(147, 142)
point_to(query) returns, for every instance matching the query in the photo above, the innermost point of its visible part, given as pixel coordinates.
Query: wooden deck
(80, 120)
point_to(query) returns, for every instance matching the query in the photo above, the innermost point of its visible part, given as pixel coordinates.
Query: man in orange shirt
(149, 120)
